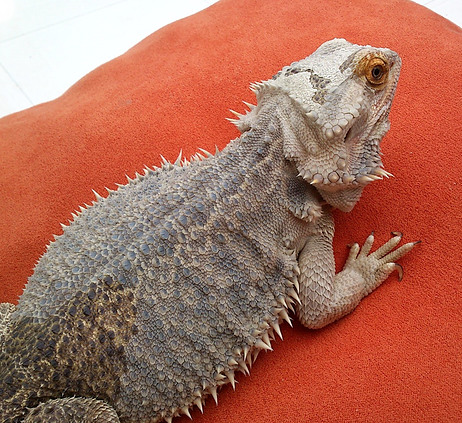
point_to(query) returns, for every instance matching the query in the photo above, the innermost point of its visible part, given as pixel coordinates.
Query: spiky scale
(213, 392)
(277, 329)
(238, 115)
(198, 403)
(266, 339)
(232, 362)
(230, 376)
(260, 344)
(178, 159)
(249, 105)
(207, 153)
(185, 410)
(243, 367)
(286, 317)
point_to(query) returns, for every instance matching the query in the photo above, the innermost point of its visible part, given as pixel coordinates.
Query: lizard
(154, 296)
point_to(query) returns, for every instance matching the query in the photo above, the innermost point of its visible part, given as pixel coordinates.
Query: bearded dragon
(153, 297)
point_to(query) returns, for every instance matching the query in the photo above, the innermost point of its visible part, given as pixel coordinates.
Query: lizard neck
(280, 121)
(269, 180)
(269, 133)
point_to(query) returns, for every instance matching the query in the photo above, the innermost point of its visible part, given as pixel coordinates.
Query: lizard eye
(376, 72)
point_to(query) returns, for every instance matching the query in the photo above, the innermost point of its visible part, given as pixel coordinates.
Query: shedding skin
(156, 295)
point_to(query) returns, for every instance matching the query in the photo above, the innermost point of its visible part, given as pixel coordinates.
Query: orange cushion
(398, 356)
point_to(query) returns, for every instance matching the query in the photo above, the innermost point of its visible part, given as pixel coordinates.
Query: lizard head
(343, 93)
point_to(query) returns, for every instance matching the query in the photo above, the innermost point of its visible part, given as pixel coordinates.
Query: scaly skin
(154, 296)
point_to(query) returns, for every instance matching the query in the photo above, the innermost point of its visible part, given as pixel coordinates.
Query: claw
(397, 233)
(400, 270)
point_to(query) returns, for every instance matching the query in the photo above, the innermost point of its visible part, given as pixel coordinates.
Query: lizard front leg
(325, 296)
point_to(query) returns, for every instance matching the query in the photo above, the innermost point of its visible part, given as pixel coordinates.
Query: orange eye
(375, 69)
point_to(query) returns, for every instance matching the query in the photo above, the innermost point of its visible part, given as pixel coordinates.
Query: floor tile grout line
(62, 21)
(17, 85)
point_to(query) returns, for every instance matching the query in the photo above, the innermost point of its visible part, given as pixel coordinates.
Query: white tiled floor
(47, 45)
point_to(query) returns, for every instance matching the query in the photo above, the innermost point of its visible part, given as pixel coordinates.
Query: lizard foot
(375, 267)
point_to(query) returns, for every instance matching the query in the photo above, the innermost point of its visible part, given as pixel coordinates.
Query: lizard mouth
(347, 136)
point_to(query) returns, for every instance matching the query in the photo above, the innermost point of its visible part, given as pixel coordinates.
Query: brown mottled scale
(154, 296)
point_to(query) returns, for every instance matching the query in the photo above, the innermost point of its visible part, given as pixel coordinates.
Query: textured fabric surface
(398, 356)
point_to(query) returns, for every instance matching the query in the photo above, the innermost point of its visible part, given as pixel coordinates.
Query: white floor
(47, 45)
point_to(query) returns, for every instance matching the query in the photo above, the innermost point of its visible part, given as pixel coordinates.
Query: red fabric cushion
(397, 357)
